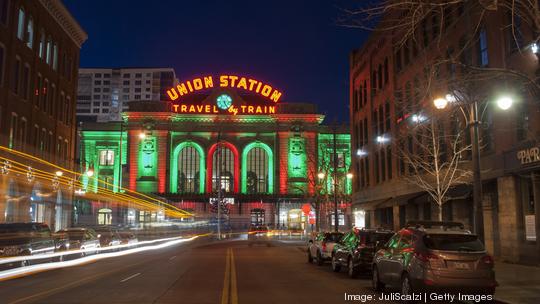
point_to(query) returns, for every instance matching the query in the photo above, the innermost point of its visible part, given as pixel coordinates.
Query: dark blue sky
(294, 45)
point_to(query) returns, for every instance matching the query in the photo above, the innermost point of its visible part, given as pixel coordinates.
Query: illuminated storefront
(226, 131)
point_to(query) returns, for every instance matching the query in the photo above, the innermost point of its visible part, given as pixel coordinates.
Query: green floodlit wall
(93, 142)
(270, 155)
(326, 150)
(147, 165)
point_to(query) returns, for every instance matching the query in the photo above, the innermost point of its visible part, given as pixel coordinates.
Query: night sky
(294, 45)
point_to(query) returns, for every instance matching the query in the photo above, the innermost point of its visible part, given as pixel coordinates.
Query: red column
(283, 154)
(133, 139)
(161, 136)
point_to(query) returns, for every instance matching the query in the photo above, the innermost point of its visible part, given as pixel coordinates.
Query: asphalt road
(202, 271)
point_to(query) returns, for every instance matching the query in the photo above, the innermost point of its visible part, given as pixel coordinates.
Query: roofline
(66, 21)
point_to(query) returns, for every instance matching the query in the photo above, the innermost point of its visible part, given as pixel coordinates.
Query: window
(26, 82)
(125, 90)
(257, 171)
(48, 51)
(223, 169)
(435, 26)
(30, 33)
(2, 55)
(138, 75)
(41, 44)
(483, 59)
(13, 129)
(126, 82)
(45, 93)
(97, 90)
(55, 57)
(16, 76)
(125, 76)
(106, 157)
(137, 82)
(97, 75)
(189, 168)
(4, 10)
(20, 24)
(97, 82)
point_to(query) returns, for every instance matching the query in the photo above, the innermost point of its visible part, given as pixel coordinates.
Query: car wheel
(309, 257)
(23, 263)
(376, 281)
(320, 260)
(352, 270)
(335, 264)
(406, 289)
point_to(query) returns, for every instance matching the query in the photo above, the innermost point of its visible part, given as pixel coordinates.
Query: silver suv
(434, 256)
(320, 248)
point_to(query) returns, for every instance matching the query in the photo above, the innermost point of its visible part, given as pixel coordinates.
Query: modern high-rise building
(104, 93)
(40, 44)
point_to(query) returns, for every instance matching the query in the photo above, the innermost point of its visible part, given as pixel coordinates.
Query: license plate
(459, 265)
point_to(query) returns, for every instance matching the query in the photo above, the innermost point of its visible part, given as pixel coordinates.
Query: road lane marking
(226, 286)
(229, 294)
(172, 258)
(130, 277)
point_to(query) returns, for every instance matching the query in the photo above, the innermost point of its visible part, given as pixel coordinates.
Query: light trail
(28, 270)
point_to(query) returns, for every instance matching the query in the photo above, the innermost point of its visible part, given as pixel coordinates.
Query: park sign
(225, 103)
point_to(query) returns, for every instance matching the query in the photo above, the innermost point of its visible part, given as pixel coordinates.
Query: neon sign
(225, 81)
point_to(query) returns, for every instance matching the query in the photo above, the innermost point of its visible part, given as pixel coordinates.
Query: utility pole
(478, 223)
(336, 216)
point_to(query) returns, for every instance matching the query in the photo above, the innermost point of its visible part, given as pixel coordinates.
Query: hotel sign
(528, 156)
(224, 81)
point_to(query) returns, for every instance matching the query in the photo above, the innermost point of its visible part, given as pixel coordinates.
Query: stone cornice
(64, 18)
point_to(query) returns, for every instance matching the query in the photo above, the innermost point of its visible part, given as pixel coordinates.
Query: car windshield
(75, 235)
(333, 237)
(453, 242)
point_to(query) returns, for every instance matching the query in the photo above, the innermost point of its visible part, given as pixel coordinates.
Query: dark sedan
(19, 239)
(357, 248)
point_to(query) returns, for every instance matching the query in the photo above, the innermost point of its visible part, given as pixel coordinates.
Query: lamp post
(473, 120)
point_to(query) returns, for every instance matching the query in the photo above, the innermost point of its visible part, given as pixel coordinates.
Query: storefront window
(257, 217)
(104, 216)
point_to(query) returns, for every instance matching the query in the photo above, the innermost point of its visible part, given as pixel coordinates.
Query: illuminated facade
(263, 154)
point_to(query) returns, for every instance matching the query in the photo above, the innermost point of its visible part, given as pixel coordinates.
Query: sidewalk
(517, 283)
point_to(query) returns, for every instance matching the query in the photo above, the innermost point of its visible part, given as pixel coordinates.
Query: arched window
(257, 168)
(20, 24)
(30, 33)
(223, 169)
(257, 171)
(189, 168)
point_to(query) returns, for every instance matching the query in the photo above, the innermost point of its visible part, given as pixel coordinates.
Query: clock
(224, 101)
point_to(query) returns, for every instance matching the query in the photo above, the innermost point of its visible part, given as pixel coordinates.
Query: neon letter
(208, 82)
(266, 90)
(189, 86)
(252, 83)
(223, 81)
(233, 80)
(258, 87)
(175, 108)
(258, 109)
(172, 94)
(197, 84)
(242, 83)
(250, 109)
(272, 110)
(275, 96)
(183, 108)
(182, 89)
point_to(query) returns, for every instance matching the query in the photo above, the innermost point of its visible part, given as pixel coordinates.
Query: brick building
(39, 56)
(394, 81)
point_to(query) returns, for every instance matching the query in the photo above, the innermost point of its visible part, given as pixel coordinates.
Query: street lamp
(90, 172)
(59, 173)
(320, 175)
(349, 175)
(504, 102)
(142, 135)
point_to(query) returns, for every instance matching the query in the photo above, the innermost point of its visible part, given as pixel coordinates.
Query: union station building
(229, 132)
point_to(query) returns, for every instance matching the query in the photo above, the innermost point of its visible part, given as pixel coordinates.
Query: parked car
(81, 239)
(19, 239)
(357, 248)
(434, 256)
(258, 232)
(107, 236)
(321, 246)
(127, 237)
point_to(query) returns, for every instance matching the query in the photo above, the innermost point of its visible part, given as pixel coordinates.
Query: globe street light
(505, 102)
(349, 175)
(440, 103)
(320, 175)
(90, 172)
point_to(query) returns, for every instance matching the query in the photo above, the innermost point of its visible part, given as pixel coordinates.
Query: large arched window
(257, 169)
(223, 169)
(187, 168)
